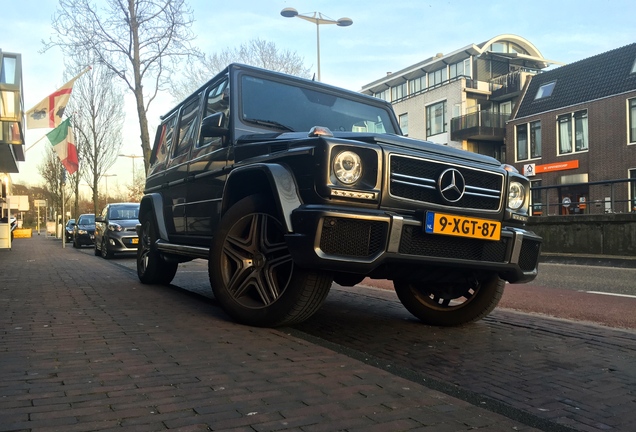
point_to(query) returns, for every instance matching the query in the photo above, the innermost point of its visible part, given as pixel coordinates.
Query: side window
(162, 147)
(217, 100)
(187, 127)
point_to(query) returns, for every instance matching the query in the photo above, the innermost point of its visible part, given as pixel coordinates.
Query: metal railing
(599, 197)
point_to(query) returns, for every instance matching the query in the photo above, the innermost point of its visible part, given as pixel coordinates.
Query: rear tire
(152, 269)
(252, 273)
(432, 303)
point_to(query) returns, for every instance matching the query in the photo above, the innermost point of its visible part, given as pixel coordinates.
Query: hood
(126, 223)
(382, 139)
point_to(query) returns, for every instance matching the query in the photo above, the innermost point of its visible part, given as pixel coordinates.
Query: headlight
(114, 227)
(516, 195)
(347, 167)
(82, 232)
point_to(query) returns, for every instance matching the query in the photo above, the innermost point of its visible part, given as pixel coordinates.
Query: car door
(175, 177)
(206, 170)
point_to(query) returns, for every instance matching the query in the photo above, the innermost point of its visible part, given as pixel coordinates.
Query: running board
(189, 251)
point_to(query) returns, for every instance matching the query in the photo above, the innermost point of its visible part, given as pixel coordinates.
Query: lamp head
(289, 12)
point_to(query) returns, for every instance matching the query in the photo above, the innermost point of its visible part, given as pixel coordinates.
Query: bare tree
(53, 172)
(256, 52)
(139, 40)
(97, 110)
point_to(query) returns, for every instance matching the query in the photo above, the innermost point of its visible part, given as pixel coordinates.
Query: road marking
(609, 294)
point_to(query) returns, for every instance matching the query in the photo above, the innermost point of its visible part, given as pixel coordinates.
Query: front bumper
(124, 241)
(361, 241)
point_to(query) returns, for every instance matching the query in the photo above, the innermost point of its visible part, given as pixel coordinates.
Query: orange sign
(556, 166)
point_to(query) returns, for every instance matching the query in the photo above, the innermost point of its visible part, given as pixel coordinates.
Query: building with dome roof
(464, 98)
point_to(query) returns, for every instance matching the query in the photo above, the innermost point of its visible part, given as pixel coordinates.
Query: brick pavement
(85, 347)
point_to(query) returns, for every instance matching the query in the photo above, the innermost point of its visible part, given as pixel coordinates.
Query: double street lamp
(132, 157)
(317, 18)
(106, 177)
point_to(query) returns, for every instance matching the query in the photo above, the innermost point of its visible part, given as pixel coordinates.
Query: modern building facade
(11, 123)
(574, 135)
(463, 99)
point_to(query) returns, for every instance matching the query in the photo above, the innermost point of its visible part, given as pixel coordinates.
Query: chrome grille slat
(415, 179)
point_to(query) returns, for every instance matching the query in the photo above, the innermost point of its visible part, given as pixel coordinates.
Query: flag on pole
(61, 139)
(48, 113)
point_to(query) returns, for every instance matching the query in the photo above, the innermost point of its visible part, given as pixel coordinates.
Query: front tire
(252, 273)
(431, 303)
(152, 269)
(106, 254)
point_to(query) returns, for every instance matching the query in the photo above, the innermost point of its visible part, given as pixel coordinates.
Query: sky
(386, 36)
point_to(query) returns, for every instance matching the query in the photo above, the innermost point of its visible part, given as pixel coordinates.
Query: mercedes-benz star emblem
(451, 185)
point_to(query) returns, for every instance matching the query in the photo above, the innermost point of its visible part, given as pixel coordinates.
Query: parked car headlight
(516, 195)
(114, 227)
(347, 167)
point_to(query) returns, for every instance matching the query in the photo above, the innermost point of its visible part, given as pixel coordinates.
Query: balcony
(481, 125)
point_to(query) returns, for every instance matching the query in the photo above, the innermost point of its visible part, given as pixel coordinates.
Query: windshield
(285, 107)
(86, 220)
(123, 212)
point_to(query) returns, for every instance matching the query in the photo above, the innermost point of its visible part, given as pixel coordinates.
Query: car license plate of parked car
(462, 226)
(134, 241)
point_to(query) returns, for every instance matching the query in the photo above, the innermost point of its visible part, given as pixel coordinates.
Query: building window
(437, 77)
(535, 139)
(632, 189)
(398, 92)
(522, 142)
(632, 120)
(545, 90)
(634, 67)
(459, 69)
(528, 143)
(417, 85)
(404, 124)
(384, 95)
(572, 132)
(436, 119)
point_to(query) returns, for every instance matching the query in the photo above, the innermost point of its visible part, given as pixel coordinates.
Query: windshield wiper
(271, 123)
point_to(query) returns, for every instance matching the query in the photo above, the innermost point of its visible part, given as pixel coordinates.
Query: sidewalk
(84, 347)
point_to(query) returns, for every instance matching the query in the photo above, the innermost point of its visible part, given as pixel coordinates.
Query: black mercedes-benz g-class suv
(286, 185)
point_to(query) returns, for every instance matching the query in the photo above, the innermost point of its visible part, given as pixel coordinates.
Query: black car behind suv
(84, 231)
(285, 185)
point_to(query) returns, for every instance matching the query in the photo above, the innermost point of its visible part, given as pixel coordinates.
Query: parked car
(286, 185)
(68, 230)
(84, 231)
(115, 229)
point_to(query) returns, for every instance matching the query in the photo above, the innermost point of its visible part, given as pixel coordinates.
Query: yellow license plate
(461, 226)
(135, 241)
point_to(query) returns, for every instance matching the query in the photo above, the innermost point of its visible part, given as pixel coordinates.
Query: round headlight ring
(516, 195)
(347, 166)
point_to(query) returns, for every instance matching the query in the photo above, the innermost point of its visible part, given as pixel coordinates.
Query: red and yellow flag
(48, 113)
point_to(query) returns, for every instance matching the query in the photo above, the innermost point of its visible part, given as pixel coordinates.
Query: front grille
(415, 242)
(529, 255)
(416, 179)
(352, 237)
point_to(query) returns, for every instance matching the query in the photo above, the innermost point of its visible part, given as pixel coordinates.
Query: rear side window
(187, 127)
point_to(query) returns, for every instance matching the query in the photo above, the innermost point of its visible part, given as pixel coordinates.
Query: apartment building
(574, 135)
(464, 98)
(11, 122)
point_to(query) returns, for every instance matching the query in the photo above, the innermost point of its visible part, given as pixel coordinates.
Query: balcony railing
(480, 125)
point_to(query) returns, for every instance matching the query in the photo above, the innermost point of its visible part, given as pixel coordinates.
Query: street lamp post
(317, 18)
(106, 177)
(132, 157)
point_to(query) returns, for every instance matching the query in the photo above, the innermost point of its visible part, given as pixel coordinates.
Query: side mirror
(214, 126)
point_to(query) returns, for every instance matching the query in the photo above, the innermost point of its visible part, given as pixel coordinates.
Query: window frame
(574, 120)
(631, 121)
(545, 90)
(533, 147)
(405, 129)
(429, 117)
